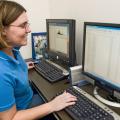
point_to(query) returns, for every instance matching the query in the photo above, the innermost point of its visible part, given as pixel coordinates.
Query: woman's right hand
(62, 101)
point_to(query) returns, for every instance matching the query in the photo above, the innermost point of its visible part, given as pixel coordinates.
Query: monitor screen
(61, 41)
(59, 38)
(101, 54)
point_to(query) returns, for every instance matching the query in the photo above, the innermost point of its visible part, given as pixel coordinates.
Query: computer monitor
(101, 55)
(61, 41)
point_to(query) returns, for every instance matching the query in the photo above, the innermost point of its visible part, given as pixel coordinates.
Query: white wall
(85, 10)
(38, 11)
(81, 10)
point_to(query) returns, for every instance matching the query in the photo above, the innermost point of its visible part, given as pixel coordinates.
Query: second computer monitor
(61, 41)
(101, 54)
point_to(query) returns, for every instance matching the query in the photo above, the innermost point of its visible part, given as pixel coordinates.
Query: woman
(15, 93)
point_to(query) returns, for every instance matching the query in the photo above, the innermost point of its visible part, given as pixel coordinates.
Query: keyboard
(49, 71)
(88, 108)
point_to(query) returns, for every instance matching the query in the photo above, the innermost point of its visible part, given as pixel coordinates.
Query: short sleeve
(7, 99)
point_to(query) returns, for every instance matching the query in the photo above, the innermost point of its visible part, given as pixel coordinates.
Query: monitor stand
(103, 100)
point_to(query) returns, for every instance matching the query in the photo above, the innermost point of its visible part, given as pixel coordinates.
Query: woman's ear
(4, 31)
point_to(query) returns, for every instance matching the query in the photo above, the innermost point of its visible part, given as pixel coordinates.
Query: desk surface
(49, 90)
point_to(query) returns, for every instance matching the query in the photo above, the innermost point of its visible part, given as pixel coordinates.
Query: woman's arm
(59, 103)
(8, 114)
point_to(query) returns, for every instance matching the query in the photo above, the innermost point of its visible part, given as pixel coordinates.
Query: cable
(103, 100)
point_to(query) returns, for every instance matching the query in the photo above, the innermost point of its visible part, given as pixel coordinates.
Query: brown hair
(9, 12)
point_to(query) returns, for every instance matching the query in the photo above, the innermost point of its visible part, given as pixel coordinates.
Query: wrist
(50, 106)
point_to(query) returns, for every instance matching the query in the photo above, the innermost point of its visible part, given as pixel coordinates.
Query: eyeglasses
(23, 25)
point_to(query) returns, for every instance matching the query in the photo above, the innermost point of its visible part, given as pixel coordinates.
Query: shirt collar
(6, 57)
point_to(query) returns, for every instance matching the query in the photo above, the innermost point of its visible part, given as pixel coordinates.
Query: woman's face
(16, 33)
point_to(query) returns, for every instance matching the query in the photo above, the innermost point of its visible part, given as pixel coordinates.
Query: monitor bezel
(98, 81)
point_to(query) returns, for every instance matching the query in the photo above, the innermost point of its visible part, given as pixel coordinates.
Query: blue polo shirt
(14, 84)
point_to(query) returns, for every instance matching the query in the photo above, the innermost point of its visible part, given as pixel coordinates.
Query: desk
(49, 90)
